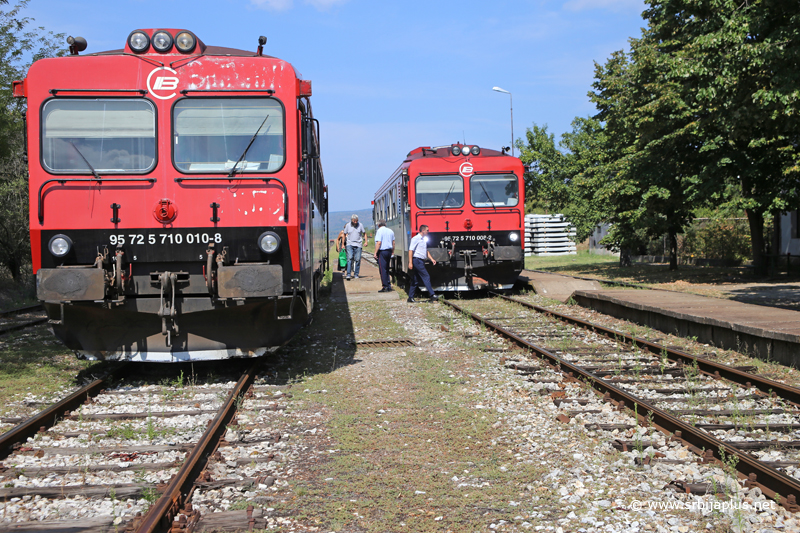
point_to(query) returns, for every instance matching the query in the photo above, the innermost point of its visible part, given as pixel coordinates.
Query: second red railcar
(471, 198)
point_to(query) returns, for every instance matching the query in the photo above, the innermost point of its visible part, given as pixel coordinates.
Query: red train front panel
(173, 193)
(472, 200)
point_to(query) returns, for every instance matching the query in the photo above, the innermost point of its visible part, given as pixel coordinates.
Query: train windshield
(111, 135)
(439, 192)
(216, 134)
(493, 190)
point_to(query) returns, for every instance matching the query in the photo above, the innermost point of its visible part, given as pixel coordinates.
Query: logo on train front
(161, 85)
(466, 169)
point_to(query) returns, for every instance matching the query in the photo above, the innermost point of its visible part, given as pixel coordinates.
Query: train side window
(493, 190)
(112, 135)
(212, 134)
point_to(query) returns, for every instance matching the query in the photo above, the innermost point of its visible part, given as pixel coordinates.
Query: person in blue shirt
(384, 250)
(417, 253)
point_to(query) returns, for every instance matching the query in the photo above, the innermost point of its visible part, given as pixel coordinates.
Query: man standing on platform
(356, 235)
(417, 253)
(384, 250)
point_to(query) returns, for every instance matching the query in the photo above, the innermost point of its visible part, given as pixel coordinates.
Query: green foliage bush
(724, 238)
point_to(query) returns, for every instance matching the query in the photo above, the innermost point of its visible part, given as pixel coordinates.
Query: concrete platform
(556, 286)
(363, 289)
(761, 331)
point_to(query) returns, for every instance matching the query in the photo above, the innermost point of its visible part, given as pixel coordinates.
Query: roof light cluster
(465, 150)
(162, 41)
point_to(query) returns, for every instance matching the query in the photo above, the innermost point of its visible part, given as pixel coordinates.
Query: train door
(311, 219)
(405, 218)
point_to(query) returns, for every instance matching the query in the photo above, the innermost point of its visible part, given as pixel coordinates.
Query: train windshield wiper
(491, 201)
(244, 154)
(444, 202)
(94, 172)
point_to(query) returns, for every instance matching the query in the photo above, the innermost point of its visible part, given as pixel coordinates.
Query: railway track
(143, 458)
(729, 417)
(21, 318)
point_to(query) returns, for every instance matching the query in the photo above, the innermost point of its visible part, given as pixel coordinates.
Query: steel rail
(160, 515)
(20, 310)
(51, 415)
(24, 325)
(711, 368)
(768, 479)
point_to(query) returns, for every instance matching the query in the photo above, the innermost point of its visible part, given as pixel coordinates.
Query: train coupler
(168, 283)
(467, 255)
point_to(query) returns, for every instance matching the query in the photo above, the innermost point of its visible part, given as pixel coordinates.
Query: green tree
(650, 137)
(735, 65)
(586, 175)
(545, 185)
(20, 45)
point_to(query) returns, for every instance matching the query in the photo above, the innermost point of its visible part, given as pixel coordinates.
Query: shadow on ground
(783, 296)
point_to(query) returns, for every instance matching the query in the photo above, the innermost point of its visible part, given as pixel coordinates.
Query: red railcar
(472, 201)
(177, 203)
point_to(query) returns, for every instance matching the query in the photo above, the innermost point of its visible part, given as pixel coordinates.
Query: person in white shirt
(384, 250)
(417, 253)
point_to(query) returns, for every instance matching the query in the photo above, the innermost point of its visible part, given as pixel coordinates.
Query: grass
(397, 457)
(401, 431)
(579, 261)
(17, 293)
(370, 321)
(33, 361)
(607, 267)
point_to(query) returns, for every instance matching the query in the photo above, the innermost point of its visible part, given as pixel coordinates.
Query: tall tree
(20, 45)
(544, 179)
(737, 67)
(651, 141)
(565, 178)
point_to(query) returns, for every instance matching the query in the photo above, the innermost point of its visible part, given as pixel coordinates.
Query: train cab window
(114, 136)
(493, 190)
(211, 134)
(439, 192)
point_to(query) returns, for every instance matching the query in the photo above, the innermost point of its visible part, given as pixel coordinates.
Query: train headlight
(513, 237)
(162, 41)
(475, 150)
(60, 245)
(139, 41)
(185, 41)
(269, 242)
(456, 150)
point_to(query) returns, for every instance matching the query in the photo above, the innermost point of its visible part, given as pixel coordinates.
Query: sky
(388, 77)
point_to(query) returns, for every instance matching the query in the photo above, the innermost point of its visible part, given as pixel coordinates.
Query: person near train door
(384, 250)
(417, 253)
(356, 237)
(340, 248)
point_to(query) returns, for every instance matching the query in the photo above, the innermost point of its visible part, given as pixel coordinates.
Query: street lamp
(511, 103)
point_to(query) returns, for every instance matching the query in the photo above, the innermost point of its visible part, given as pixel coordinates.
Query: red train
(472, 201)
(177, 203)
